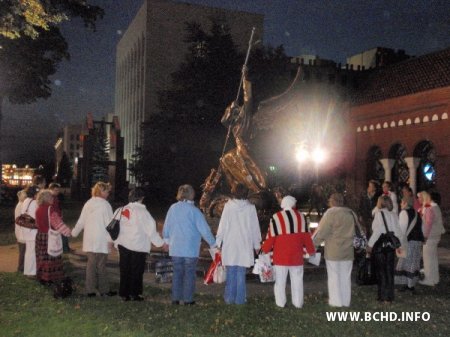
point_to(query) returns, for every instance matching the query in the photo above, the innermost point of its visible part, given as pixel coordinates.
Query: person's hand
(165, 247)
(368, 250)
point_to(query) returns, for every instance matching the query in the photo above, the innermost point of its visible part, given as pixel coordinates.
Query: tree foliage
(19, 18)
(100, 155)
(208, 78)
(27, 62)
(65, 172)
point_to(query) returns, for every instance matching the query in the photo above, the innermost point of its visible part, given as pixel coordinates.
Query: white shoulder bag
(54, 243)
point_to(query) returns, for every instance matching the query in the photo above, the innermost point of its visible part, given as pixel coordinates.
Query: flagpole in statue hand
(243, 74)
(244, 67)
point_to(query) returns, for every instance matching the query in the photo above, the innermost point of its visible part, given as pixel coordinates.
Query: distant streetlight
(318, 155)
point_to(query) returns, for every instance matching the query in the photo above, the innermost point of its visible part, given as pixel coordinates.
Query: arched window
(374, 169)
(400, 170)
(426, 171)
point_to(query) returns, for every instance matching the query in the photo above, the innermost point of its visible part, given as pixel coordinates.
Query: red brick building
(400, 126)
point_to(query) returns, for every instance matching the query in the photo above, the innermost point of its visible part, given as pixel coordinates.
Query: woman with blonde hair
(48, 268)
(95, 216)
(433, 228)
(183, 230)
(384, 258)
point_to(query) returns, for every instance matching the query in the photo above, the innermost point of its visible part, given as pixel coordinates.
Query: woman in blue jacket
(183, 230)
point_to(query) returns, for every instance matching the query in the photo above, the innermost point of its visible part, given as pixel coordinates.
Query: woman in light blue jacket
(183, 230)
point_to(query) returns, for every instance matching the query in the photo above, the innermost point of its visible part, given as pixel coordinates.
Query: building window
(400, 170)
(426, 171)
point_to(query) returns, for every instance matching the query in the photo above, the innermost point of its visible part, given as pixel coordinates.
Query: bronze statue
(237, 164)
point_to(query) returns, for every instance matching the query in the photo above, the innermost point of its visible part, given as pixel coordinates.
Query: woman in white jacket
(21, 196)
(29, 207)
(137, 233)
(238, 236)
(95, 216)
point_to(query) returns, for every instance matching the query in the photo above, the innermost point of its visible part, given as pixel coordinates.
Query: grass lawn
(28, 309)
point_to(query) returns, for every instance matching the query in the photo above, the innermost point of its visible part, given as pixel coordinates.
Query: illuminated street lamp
(301, 154)
(318, 155)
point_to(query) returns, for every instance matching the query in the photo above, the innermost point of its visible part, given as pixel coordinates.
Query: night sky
(331, 29)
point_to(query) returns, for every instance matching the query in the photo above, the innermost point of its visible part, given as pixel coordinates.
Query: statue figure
(237, 164)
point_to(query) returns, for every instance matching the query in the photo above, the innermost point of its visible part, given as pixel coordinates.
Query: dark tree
(270, 72)
(65, 172)
(100, 156)
(137, 166)
(31, 45)
(20, 18)
(183, 143)
(207, 80)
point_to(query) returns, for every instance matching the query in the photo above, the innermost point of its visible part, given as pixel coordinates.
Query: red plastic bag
(209, 277)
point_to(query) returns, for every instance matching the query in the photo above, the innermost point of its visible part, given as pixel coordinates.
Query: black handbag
(113, 227)
(387, 241)
(365, 270)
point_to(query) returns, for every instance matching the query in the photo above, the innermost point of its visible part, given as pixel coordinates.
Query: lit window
(429, 172)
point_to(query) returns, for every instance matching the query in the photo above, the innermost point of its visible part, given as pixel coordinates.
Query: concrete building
(153, 47)
(70, 142)
(115, 164)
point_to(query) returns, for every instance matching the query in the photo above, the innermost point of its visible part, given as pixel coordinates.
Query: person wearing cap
(287, 237)
(337, 229)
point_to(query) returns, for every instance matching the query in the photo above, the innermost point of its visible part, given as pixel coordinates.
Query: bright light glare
(301, 154)
(319, 155)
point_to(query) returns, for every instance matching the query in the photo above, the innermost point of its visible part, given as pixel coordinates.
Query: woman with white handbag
(49, 263)
(408, 265)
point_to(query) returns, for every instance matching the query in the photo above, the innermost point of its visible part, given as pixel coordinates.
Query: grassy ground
(28, 309)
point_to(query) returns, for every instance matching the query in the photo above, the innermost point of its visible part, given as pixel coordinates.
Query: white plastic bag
(263, 267)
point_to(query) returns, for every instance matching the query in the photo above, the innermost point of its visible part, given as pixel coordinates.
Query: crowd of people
(418, 225)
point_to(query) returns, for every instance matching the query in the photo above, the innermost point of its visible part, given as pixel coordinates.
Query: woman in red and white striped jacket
(287, 237)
